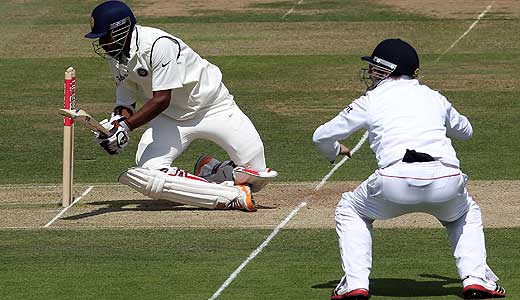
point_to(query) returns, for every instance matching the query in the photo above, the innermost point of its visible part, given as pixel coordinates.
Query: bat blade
(84, 118)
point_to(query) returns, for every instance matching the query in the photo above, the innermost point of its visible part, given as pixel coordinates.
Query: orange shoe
(245, 201)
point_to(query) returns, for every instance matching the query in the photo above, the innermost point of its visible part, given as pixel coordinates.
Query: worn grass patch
(278, 38)
(63, 13)
(314, 10)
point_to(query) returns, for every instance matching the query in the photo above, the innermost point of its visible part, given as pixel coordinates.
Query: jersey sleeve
(166, 68)
(457, 125)
(349, 120)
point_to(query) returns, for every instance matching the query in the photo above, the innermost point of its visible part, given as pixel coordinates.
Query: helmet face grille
(374, 74)
(119, 33)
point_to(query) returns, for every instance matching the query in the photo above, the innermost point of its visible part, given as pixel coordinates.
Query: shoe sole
(361, 297)
(249, 204)
(359, 294)
(478, 292)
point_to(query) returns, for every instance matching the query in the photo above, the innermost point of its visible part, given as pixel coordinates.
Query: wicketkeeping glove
(119, 135)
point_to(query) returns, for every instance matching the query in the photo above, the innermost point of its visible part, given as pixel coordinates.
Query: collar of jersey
(389, 82)
(403, 78)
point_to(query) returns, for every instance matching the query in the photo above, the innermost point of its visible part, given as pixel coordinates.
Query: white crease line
(258, 250)
(290, 11)
(284, 222)
(67, 208)
(482, 14)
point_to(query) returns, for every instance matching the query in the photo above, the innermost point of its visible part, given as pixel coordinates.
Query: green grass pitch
(192, 264)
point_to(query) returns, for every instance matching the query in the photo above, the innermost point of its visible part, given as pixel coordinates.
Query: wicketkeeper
(410, 128)
(184, 100)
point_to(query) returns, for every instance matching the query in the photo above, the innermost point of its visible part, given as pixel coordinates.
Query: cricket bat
(84, 118)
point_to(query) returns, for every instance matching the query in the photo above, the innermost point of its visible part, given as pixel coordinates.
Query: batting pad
(179, 186)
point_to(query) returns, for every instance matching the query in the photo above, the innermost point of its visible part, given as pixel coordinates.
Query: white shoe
(255, 179)
(478, 288)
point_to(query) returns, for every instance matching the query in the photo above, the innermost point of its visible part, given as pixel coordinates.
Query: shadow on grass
(396, 287)
(139, 205)
(132, 205)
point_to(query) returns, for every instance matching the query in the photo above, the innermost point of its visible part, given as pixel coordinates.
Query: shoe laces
(234, 204)
(488, 284)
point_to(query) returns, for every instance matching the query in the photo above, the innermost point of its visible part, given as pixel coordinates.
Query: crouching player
(184, 100)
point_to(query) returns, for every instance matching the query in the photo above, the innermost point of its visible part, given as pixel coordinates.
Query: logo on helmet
(120, 23)
(416, 73)
(91, 23)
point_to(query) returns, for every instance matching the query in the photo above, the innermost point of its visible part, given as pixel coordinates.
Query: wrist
(127, 126)
(123, 123)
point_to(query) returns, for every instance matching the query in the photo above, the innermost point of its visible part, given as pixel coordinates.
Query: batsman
(184, 99)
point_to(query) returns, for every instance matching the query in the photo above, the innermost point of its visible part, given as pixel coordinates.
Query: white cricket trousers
(230, 128)
(428, 187)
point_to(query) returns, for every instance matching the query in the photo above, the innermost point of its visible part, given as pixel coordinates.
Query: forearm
(151, 109)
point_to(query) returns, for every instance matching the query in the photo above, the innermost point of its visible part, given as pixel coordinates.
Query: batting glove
(119, 135)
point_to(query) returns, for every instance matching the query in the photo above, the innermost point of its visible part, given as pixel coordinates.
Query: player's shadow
(260, 206)
(138, 205)
(408, 288)
(132, 205)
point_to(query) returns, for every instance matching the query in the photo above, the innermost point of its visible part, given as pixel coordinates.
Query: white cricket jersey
(399, 114)
(159, 61)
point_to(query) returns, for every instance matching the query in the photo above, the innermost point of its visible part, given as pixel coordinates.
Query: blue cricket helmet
(397, 56)
(391, 57)
(108, 16)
